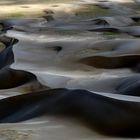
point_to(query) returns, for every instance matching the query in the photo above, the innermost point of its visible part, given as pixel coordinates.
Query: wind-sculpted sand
(71, 72)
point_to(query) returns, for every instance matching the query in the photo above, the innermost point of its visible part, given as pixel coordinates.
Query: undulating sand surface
(71, 26)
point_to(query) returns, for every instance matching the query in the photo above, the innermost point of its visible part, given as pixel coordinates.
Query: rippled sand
(57, 128)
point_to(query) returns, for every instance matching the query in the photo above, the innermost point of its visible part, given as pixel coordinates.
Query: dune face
(73, 60)
(75, 104)
(79, 62)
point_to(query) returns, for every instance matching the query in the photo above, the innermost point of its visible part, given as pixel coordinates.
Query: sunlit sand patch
(8, 134)
(56, 128)
(18, 11)
(35, 9)
(60, 8)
